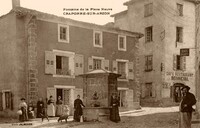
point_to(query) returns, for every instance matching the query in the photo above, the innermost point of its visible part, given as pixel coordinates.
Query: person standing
(114, 111)
(23, 107)
(186, 109)
(40, 107)
(59, 106)
(78, 111)
(50, 107)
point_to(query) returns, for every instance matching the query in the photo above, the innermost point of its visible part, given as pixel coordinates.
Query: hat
(187, 87)
(22, 98)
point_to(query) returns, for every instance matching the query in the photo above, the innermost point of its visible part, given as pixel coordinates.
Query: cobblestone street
(143, 118)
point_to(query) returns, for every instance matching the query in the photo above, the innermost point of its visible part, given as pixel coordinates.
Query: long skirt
(24, 116)
(51, 110)
(77, 114)
(185, 119)
(114, 114)
(59, 110)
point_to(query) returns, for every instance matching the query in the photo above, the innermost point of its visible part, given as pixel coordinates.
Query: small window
(149, 34)
(122, 43)
(149, 63)
(97, 39)
(97, 63)
(179, 34)
(148, 9)
(180, 9)
(180, 62)
(63, 33)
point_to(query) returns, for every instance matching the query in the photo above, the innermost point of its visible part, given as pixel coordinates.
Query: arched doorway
(177, 94)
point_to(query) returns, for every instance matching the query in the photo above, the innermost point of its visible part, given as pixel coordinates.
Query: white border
(67, 36)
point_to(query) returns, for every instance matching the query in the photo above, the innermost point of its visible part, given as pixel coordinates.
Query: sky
(59, 7)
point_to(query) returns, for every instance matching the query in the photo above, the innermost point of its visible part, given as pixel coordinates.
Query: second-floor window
(148, 9)
(97, 63)
(180, 9)
(179, 62)
(122, 70)
(179, 34)
(63, 33)
(149, 63)
(122, 43)
(148, 34)
(62, 65)
(97, 39)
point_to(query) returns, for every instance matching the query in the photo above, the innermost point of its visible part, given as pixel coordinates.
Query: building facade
(44, 55)
(168, 49)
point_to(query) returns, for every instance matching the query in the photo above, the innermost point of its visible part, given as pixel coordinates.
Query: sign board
(185, 52)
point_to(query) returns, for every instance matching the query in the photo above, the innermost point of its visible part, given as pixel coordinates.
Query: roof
(120, 13)
(99, 71)
(132, 1)
(45, 16)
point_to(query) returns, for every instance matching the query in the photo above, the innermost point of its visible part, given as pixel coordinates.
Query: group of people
(51, 111)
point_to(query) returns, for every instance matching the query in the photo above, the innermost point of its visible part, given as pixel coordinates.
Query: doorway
(65, 95)
(177, 93)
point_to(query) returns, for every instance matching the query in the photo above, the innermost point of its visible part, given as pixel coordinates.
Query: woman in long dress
(59, 106)
(23, 107)
(50, 107)
(114, 111)
(78, 112)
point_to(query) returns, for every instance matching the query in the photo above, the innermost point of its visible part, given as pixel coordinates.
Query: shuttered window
(130, 71)
(49, 62)
(179, 62)
(179, 34)
(79, 64)
(148, 34)
(149, 63)
(148, 9)
(180, 9)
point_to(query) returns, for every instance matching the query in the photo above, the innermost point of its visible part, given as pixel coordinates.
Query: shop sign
(180, 76)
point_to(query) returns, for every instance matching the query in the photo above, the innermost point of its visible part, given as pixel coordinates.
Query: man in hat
(186, 109)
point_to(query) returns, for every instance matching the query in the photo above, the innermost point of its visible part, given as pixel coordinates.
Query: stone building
(168, 49)
(43, 54)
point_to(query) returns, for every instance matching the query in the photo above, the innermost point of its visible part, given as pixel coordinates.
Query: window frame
(148, 9)
(71, 56)
(149, 34)
(67, 33)
(126, 68)
(124, 43)
(179, 34)
(101, 39)
(148, 67)
(179, 9)
(97, 58)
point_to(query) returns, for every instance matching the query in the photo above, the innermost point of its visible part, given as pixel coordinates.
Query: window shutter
(106, 65)
(114, 67)
(1, 101)
(130, 71)
(153, 90)
(183, 62)
(90, 64)
(78, 64)
(102, 64)
(174, 62)
(50, 63)
(51, 92)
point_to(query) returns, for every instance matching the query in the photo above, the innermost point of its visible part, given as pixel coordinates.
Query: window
(62, 65)
(180, 9)
(97, 39)
(149, 63)
(179, 34)
(63, 33)
(122, 70)
(180, 63)
(149, 34)
(148, 90)
(6, 100)
(97, 63)
(122, 43)
(148, 9)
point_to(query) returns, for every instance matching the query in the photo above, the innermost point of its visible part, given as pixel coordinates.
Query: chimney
(15, 3)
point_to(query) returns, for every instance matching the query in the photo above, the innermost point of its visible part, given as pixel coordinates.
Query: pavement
(37, 122)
